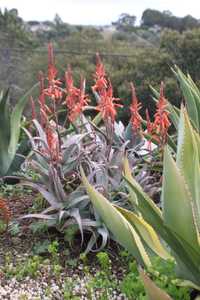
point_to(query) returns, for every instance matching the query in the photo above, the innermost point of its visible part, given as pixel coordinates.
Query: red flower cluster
(76, 99)
(159, 128)
(107, 103)
(135, 108)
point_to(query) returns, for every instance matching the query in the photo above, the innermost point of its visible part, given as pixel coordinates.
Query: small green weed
(30, 267)
(41, 247)
(55, 265)
(162, 273)
(68, 290)
(69, 234)
(104, 261)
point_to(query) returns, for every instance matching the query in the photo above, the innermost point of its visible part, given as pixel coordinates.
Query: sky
(96, 12)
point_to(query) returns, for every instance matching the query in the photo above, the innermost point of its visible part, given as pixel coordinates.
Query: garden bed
(43, 265)
(29, 270)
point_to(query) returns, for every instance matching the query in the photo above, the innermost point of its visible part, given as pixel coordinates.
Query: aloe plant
(10, 129)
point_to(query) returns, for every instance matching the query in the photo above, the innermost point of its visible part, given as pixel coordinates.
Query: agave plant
(178, 222)
(10, 131)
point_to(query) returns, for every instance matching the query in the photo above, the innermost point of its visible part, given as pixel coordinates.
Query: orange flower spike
(53, 90)
(161, 121)
(100, 76)
(69, 79)
(76, 100)
(52, 71)
(80, 103)
(134, 108)
(107, 105)
(100, 70)
(83, 97)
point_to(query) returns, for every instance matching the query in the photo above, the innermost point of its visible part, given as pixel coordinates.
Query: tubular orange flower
(100, 76)
(161, 119)
(69, 78)
(52, 71)
(134, 108)
(107, 104)
(53, 90)
(159, 128)
(72, 91)
(76, 99)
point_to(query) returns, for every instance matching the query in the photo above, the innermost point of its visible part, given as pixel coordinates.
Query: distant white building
(35, 26)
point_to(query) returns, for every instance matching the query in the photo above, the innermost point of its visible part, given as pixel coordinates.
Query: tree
(151, 17)
(183, 49)
(165, 19)
(125, 22)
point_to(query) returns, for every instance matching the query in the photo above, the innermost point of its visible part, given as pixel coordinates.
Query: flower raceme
(76, 99)
(159, 128)
(107, 103)
(101, 82)
(53, 91)
(135, 107)
(161, 117)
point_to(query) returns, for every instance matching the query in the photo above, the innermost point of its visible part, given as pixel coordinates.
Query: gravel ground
(72, 282)
(31, 289)
(45, 287)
